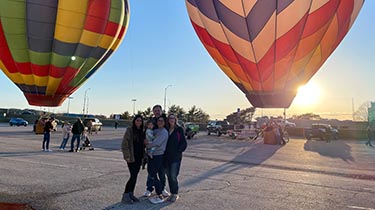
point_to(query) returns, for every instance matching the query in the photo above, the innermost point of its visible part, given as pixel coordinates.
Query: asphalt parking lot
(216, 173)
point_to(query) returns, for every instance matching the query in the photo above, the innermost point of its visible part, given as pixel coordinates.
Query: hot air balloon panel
(269, 48)
(50, 48)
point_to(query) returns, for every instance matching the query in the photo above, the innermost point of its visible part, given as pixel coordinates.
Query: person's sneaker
(147, 193)
(174, 197)
(71, 150)
(48, 150)
(165, 193)
(157, 199)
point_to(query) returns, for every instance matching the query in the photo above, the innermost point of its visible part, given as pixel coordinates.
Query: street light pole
(69, 103)
(84, 102)
(165, 96)
(134, 100)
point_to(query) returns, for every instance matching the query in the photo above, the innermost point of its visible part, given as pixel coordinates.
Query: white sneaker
(156, 199)
(147, 193)
(165, 193)
(48, 150)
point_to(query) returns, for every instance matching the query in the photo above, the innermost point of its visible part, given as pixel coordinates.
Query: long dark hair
(133, 122)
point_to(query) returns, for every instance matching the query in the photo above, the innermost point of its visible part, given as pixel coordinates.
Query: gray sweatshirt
(160, 141)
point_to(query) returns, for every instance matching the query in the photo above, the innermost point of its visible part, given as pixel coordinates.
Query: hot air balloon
(50, 48)
(269, 48)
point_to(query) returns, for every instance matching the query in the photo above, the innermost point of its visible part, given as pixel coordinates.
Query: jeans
(173, 169)
(46, 138)
(161, 175)
(154, 166)
(78, 137)
(134, 170)
(63, 143)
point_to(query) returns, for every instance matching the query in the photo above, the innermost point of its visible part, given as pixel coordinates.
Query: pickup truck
(321, 131)
(218, 127)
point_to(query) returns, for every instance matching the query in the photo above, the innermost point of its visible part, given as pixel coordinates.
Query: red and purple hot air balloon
(49, 48)
(269, 48)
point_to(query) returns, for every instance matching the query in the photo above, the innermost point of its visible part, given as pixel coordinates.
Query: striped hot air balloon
(49, 48)
(269, 48)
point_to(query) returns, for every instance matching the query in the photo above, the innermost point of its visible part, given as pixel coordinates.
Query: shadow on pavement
(250, 154)
(333, 149)
(143, 204)
(21, 153)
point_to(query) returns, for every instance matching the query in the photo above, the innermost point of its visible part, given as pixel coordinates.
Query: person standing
(157, 161)
(173, 154)
(133, 148)
(370, 135)
(77, 130)
(89, 127)
(47, 135)
(66, 129)
(158, 112)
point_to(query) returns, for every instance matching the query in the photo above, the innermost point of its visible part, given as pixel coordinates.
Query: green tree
(242, 117)
(126, 116)
(178, 111)
(147, 114)
(195, 114)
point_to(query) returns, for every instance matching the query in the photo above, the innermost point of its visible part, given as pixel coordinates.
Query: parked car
(18, 122)
(321, 131)
(96, 124)
(191, 129)
(219, 127)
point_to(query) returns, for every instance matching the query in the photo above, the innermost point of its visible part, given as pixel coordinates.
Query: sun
(307, 95)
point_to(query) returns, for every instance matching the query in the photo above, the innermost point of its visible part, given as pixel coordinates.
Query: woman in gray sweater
(154, 164)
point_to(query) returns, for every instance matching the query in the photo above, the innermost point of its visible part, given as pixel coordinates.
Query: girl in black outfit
(133, 151)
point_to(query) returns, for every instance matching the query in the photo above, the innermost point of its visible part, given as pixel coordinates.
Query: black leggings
(134, 170)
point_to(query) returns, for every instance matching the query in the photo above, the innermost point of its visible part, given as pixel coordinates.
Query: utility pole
(165, 97)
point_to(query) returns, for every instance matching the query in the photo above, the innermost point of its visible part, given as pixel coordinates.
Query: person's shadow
(333, 149)
(251, 154)
(143, 204)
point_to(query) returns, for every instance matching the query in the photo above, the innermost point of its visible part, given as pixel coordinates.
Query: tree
(362, 112)
(178, 111)
(242, 117)
(196, 115)
(147, 114)
(126, 116)
(307, 116)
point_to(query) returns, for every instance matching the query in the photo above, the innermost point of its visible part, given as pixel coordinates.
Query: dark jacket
(78, 128)
(176, 145)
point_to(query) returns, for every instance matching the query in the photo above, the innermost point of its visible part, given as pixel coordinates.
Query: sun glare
(307, 95)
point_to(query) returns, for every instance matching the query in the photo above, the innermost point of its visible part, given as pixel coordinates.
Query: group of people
(162, 142)
(77, 130)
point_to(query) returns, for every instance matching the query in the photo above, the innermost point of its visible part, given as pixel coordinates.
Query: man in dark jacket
(77, 130)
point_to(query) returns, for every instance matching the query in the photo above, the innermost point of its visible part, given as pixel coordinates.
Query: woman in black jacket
(133, 148)
(173, 154)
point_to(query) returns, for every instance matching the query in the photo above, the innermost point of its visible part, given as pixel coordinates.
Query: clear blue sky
(161, 49)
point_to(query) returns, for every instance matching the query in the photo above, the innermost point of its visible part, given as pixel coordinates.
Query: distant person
(173, 154)
(116, 124)
(89, 126)
(66, 130)
(150, 137)
(158, 112)
(157, 162)
(133, 148)
(370, 135)
(77, 130)
(47, 135)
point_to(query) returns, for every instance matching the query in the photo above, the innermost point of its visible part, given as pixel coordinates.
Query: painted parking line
(358, 207)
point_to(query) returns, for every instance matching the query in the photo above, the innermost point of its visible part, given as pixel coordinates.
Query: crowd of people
(162, 143)
(77, 131)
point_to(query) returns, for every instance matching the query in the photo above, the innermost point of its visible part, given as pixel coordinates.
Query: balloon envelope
(50, 48)
(269, 48)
